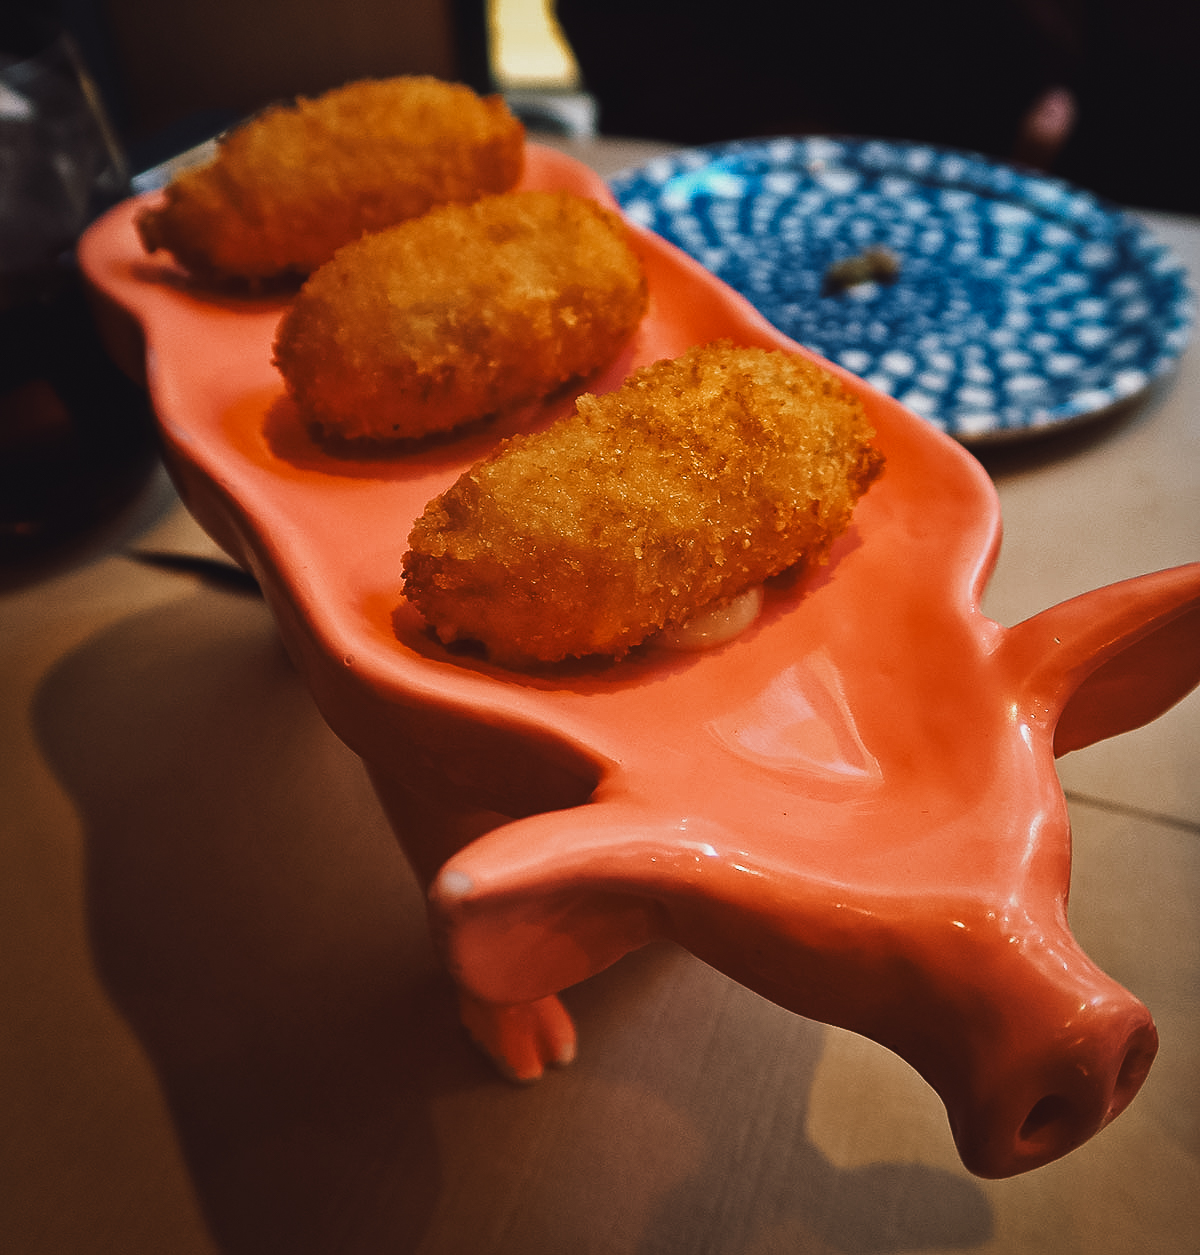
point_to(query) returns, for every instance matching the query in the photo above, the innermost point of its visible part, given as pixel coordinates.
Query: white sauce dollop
(715, 625)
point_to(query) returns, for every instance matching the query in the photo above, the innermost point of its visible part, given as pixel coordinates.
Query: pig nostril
(1045, 1113)
(1055, 1118)
(1134, 1068)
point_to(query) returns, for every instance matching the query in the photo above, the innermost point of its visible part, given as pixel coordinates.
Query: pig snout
(1047, 1071)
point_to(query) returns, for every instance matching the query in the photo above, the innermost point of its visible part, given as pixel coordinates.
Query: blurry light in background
(528, 51)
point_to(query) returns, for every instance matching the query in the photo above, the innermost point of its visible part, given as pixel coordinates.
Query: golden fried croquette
(695, 480)
(458, 314)
(292, 185)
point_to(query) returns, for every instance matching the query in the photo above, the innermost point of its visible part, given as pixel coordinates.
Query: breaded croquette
(463, 312)
(695, 480)
(292, 185)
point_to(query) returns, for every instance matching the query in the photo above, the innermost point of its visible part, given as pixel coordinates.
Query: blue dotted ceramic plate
(1020, 303)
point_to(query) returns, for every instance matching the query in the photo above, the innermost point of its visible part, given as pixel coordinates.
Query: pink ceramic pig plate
(852, 808)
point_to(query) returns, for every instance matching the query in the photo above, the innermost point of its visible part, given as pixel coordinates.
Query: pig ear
(542, 903)
(1113, 659)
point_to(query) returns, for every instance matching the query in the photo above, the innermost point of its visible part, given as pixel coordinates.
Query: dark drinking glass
(75, 433)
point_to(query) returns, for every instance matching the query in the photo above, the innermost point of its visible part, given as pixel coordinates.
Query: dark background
(964, 73)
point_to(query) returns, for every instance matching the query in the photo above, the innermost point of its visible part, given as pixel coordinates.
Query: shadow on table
(1040, 449)
(253, 920)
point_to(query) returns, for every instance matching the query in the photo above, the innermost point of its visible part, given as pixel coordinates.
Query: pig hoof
(522, 1038)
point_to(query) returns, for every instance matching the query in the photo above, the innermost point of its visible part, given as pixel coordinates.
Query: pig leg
(521, 1038)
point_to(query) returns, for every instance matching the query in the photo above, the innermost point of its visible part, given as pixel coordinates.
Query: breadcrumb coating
(292, 185)
(460, 313)
(695, 480)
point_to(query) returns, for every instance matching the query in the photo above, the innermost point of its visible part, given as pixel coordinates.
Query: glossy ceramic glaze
(852, 808)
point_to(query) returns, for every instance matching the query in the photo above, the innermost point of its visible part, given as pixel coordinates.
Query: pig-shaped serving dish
(852, 808)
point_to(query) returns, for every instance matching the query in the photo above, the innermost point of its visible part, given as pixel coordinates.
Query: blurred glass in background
(75, 433)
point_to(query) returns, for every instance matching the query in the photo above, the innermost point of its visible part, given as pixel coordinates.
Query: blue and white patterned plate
(1021, 302)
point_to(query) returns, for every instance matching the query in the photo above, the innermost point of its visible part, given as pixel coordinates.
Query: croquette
(696, 479)
(459, 314)
(289, 187)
